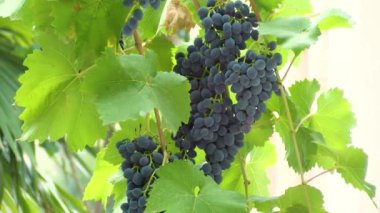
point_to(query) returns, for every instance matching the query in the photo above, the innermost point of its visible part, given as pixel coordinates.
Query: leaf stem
(161, 135)
(294, 138)
(302, 121)
(244, 172)
(290, 65)
(320, 174)
(138, 42)
(149, 182)
(255, 9)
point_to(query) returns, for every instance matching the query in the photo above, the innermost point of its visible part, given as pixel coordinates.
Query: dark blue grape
(128, 3)
(141, 202)
(144, 161)
(138, 14)
(146, 171)
(207, 22)
(202, 12)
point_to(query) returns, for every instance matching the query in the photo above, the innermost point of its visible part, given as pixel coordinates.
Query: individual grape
(210, 3)
(128, 3)
(138, 14)
(260, 64)
(128, 173)
(146, 171)
(155, 4)
(202, 12)
(157, 157)
(206, 168)
(272, 45)
(127, 30)
(133, 205)
(137, 178)
(207, 22)
(236, 27)
(141, 202)
(137, 192)
(144, 161)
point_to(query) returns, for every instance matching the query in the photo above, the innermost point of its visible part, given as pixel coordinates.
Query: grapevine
(212, 65)
(175, 103)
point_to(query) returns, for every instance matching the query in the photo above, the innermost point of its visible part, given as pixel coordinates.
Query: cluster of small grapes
(253, 79)
(137, 14)
(211, 127)
(216, 125)
(141, 159)
(226, 31)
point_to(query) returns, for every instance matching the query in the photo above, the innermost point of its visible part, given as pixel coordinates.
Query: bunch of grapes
(212, 64)
(141, 159)
(253, 79)
(137, 14)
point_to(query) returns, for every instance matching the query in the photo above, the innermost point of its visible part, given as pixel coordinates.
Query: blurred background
(348, 59)
(344, 58)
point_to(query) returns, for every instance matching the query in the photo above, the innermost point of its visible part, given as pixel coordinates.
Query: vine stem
(244, 172)
(140, 48)
(138, 42)
(161, 135)
(320, 174)
(255, 10)
(75, 175)
(294, 137)
(287, 70)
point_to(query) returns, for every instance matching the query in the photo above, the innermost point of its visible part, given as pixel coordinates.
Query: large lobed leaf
(192, 191)
(135, 87)
(334, 118)
(300, 198)
(55, 106)
(256, 164)
(91, 22)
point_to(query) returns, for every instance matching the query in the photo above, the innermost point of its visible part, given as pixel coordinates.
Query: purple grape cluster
(141, 159)
(131, 25)
(212, 65)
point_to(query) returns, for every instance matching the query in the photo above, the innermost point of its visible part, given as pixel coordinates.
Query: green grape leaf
(296, 33)
(304, 137)
(334, 118)
(135, 88)
(99, 187)
(55, 106)
(119, 189)
(295, 198)
(132, 129)
(268, 5)
(291, 8)
(92, 22)
(334, 18)
(150, 24)
(303, 94)
(162, 47)
(351, 163)
(34, 14)
(260, 132)
(259, 160)
(197, 192)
